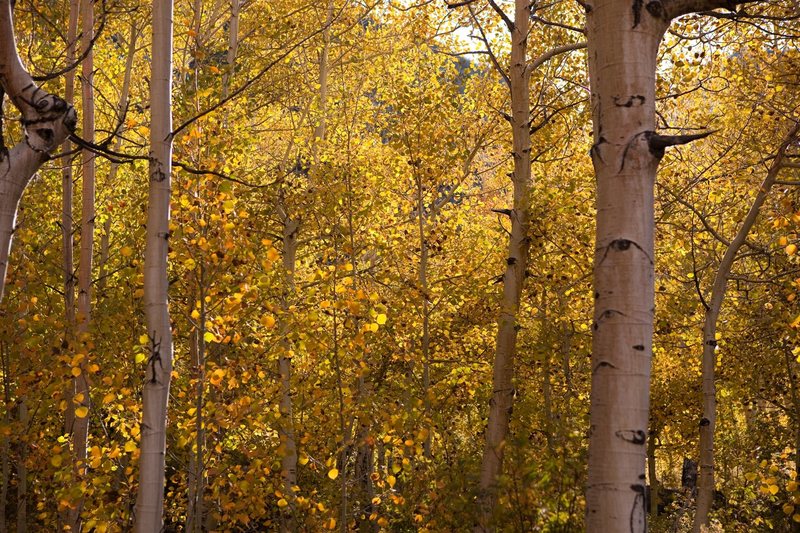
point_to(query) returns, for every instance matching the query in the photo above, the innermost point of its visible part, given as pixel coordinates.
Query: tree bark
(500, 404)
(80, 433)
(705, 478)
(68, 264)
(47, 121)
(122, 107)
(155, 396)
(22, 467)
(624, 36)
(623, 43)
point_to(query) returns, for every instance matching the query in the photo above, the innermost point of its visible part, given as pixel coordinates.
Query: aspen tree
(155, 396)
(47, 120)
(624, 36)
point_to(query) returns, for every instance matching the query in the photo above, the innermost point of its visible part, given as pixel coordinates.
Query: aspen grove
(398, 265)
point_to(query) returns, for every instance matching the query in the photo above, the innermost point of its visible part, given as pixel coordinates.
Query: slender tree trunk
(22, 467)
(500, 405)
(66, 214)
(791, 369)
(422, 279)
(80, 434)
(288, 445)
(652, 475)
(155, 396)
(624, 36)
(6, 465)
(233, 47)
(197, 482)
(122, 108)
(705, 478)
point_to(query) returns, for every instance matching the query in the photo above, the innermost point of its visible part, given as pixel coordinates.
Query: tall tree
(47, 120)
(517, 77)
(624, 37)
(155, 396)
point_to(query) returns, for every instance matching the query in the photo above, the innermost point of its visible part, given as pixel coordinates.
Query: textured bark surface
(155, 396)
(47, 120)
(80, 436)
(623, 43)
(624, 36)
(501, 402)
(705, 478)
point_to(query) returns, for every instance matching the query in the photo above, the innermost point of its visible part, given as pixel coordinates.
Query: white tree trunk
(47, 121)
(500, 404)
(705, 478)
(155, 396)
(624, 36)
(80, 433)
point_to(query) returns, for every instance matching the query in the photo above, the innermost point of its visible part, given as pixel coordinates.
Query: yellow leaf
(217, 375)
(130, 446)
(773, 489)
(391, 480)
(282, 503)
(303, 459)
(268, 321)
(144, 339)
(331, 524)
(273, 254)
(108, 398)
(76, 371)
(750, 476)
(82, 411)
(791, 249)
(139, 358)
(796, 517)
(126, 251)
(56, 460)
(209, 337)
(381, 319)
(788, 508)
(333, 473)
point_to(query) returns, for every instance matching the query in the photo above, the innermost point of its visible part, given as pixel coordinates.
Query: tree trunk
(6, 460)
(624, 36)
(68, 264)
(197, 481)
(288, 445)
(155, 396)
(651, 473)
(705, 478)
(122, 108)
(22, 467)
(47, 121)
(500, 404)
(623, 44)
(80, 433)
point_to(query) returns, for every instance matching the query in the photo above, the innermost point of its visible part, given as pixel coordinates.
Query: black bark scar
(638, 522)
(635, 100)
(637, 12)
(634, 436)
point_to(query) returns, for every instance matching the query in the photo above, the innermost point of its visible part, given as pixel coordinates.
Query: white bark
(624, 36)
(500, 404)
(80, 434)
(66, 210)
(155, 396)
(47, 120)
(705, 478)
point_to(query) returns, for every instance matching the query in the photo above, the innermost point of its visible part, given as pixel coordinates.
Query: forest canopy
(394, 265)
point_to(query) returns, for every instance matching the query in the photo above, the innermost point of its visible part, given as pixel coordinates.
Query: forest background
(343, 195)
